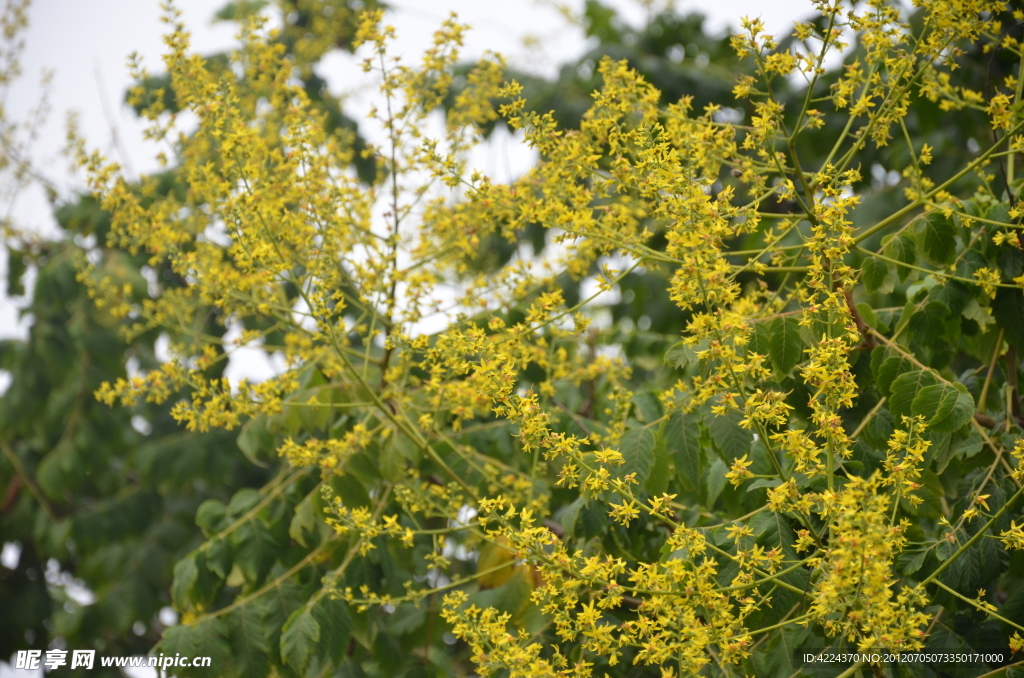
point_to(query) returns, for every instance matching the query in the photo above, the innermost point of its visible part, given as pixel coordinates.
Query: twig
(27, 479)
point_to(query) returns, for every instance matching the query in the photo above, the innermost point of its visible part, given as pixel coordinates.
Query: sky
(85, 44)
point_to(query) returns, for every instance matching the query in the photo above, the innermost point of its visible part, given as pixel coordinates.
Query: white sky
(86, 42)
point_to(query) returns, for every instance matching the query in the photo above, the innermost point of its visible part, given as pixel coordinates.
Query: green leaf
(870, 317)
(637, 450)
(186, 573)
(1013, 607)
(680, 355)
(512, 597)
(878, 275)
(979, 314)
(682, 439)
(350, 490)
(406, 619)
(973, 568)
(657, 481)
(949, 406)
(937, 238)
(945, 549)
(255, 550)
(730, 439)
(901, 249)
(207, 638)
(569, 515)
(940, 452)
(760, 339)
(889, 370)
(770, 528)
(1008, 309)
(390, 460)
(716, 480)
(362, 466)
(15, 272)
(299, 639)
(878, 356)
(786, 346)
(315, 412)
(763, 482)
(256, 442)
(58, 469)
(409, 450)
(335, 627)
(243, 501)
(953, 295)
(911, 565)
(303, 522)
(316, 415)
(904, 389)
(211, 516)
(194, 583)
(593, 520)
(218, 557)
(349, 669)
(778, 657)
(944, 639)
(931, 323)
(970, 446)
(879, 429)
(646, 407)
(250, 639)
(287, 597)
(1000, 212)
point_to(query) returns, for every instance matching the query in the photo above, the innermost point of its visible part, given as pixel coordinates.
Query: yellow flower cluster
(453, 388)
(854, 597)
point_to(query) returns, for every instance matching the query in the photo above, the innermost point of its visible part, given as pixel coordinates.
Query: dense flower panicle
(854, 597)
(905, 458)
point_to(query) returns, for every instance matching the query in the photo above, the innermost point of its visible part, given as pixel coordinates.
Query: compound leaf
(944, 406)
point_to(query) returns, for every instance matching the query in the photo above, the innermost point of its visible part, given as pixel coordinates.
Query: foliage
(829, 453)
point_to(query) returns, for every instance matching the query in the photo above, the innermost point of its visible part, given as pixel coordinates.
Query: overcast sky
(86, 42)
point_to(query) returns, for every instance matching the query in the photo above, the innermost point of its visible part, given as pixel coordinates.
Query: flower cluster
(494, 430)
